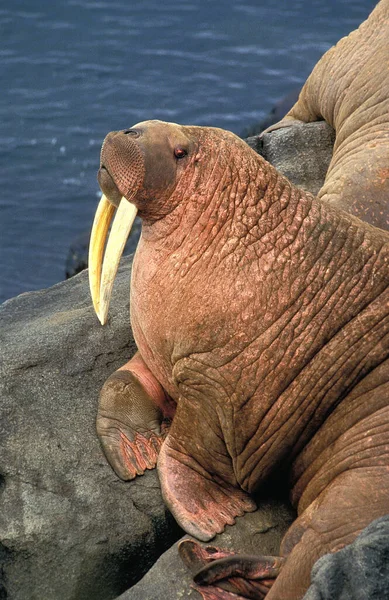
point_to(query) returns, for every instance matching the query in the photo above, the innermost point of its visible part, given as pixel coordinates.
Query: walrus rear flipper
(285, 122)
(202, 493)
(248, 576)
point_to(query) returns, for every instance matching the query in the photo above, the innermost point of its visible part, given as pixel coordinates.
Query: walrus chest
(205, 313)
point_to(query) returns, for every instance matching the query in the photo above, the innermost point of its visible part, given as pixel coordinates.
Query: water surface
(73, 70)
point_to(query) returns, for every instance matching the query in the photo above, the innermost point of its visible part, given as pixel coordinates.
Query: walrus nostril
(133, 132)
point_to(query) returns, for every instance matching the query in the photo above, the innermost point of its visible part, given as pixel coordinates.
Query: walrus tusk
(121, 227)
(101, 278)
(101, 223)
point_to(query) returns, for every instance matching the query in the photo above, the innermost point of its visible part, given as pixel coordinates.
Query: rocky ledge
(69, 528)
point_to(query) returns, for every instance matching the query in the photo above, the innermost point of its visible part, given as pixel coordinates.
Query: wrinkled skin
(349, 88)
(261, 317)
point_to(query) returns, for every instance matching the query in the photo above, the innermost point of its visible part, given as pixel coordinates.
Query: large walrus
(261, 316)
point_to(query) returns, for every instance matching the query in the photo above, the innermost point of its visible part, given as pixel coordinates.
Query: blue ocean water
(72, 70)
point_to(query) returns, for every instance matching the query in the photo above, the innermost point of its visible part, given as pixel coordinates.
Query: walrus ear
(201, 502)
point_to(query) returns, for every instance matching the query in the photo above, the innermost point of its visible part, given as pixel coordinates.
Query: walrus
(261, 317)
(349, 88)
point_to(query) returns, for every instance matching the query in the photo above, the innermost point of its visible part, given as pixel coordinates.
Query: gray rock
(357, 572)
(258, 532)
(69, 528)
(302, 153)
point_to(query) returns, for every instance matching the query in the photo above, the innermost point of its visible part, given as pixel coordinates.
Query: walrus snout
(120, 177)
(122, 168)
(139, 168)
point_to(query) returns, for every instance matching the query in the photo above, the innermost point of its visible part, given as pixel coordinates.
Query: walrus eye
(180, 152)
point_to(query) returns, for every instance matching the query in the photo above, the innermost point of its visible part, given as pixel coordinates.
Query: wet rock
(77, 258)
(69, 528)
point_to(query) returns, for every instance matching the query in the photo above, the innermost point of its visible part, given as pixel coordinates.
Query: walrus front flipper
(196, 474)
(133, 419)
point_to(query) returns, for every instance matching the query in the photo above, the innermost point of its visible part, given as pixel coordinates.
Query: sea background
(71, 71)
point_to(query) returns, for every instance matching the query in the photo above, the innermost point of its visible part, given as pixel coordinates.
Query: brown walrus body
(261, 316)
(349, 88)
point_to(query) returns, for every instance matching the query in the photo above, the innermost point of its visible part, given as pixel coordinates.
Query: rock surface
(302, 153)
(278, 111)
(69, 528)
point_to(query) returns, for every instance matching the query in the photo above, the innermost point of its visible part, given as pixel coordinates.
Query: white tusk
(101, 223)
(121, 227)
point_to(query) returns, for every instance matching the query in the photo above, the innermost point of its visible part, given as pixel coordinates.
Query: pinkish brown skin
(133, 419)
(263, 314)
(348, 88)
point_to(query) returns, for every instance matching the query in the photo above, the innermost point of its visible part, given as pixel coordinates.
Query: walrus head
(132, 180)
